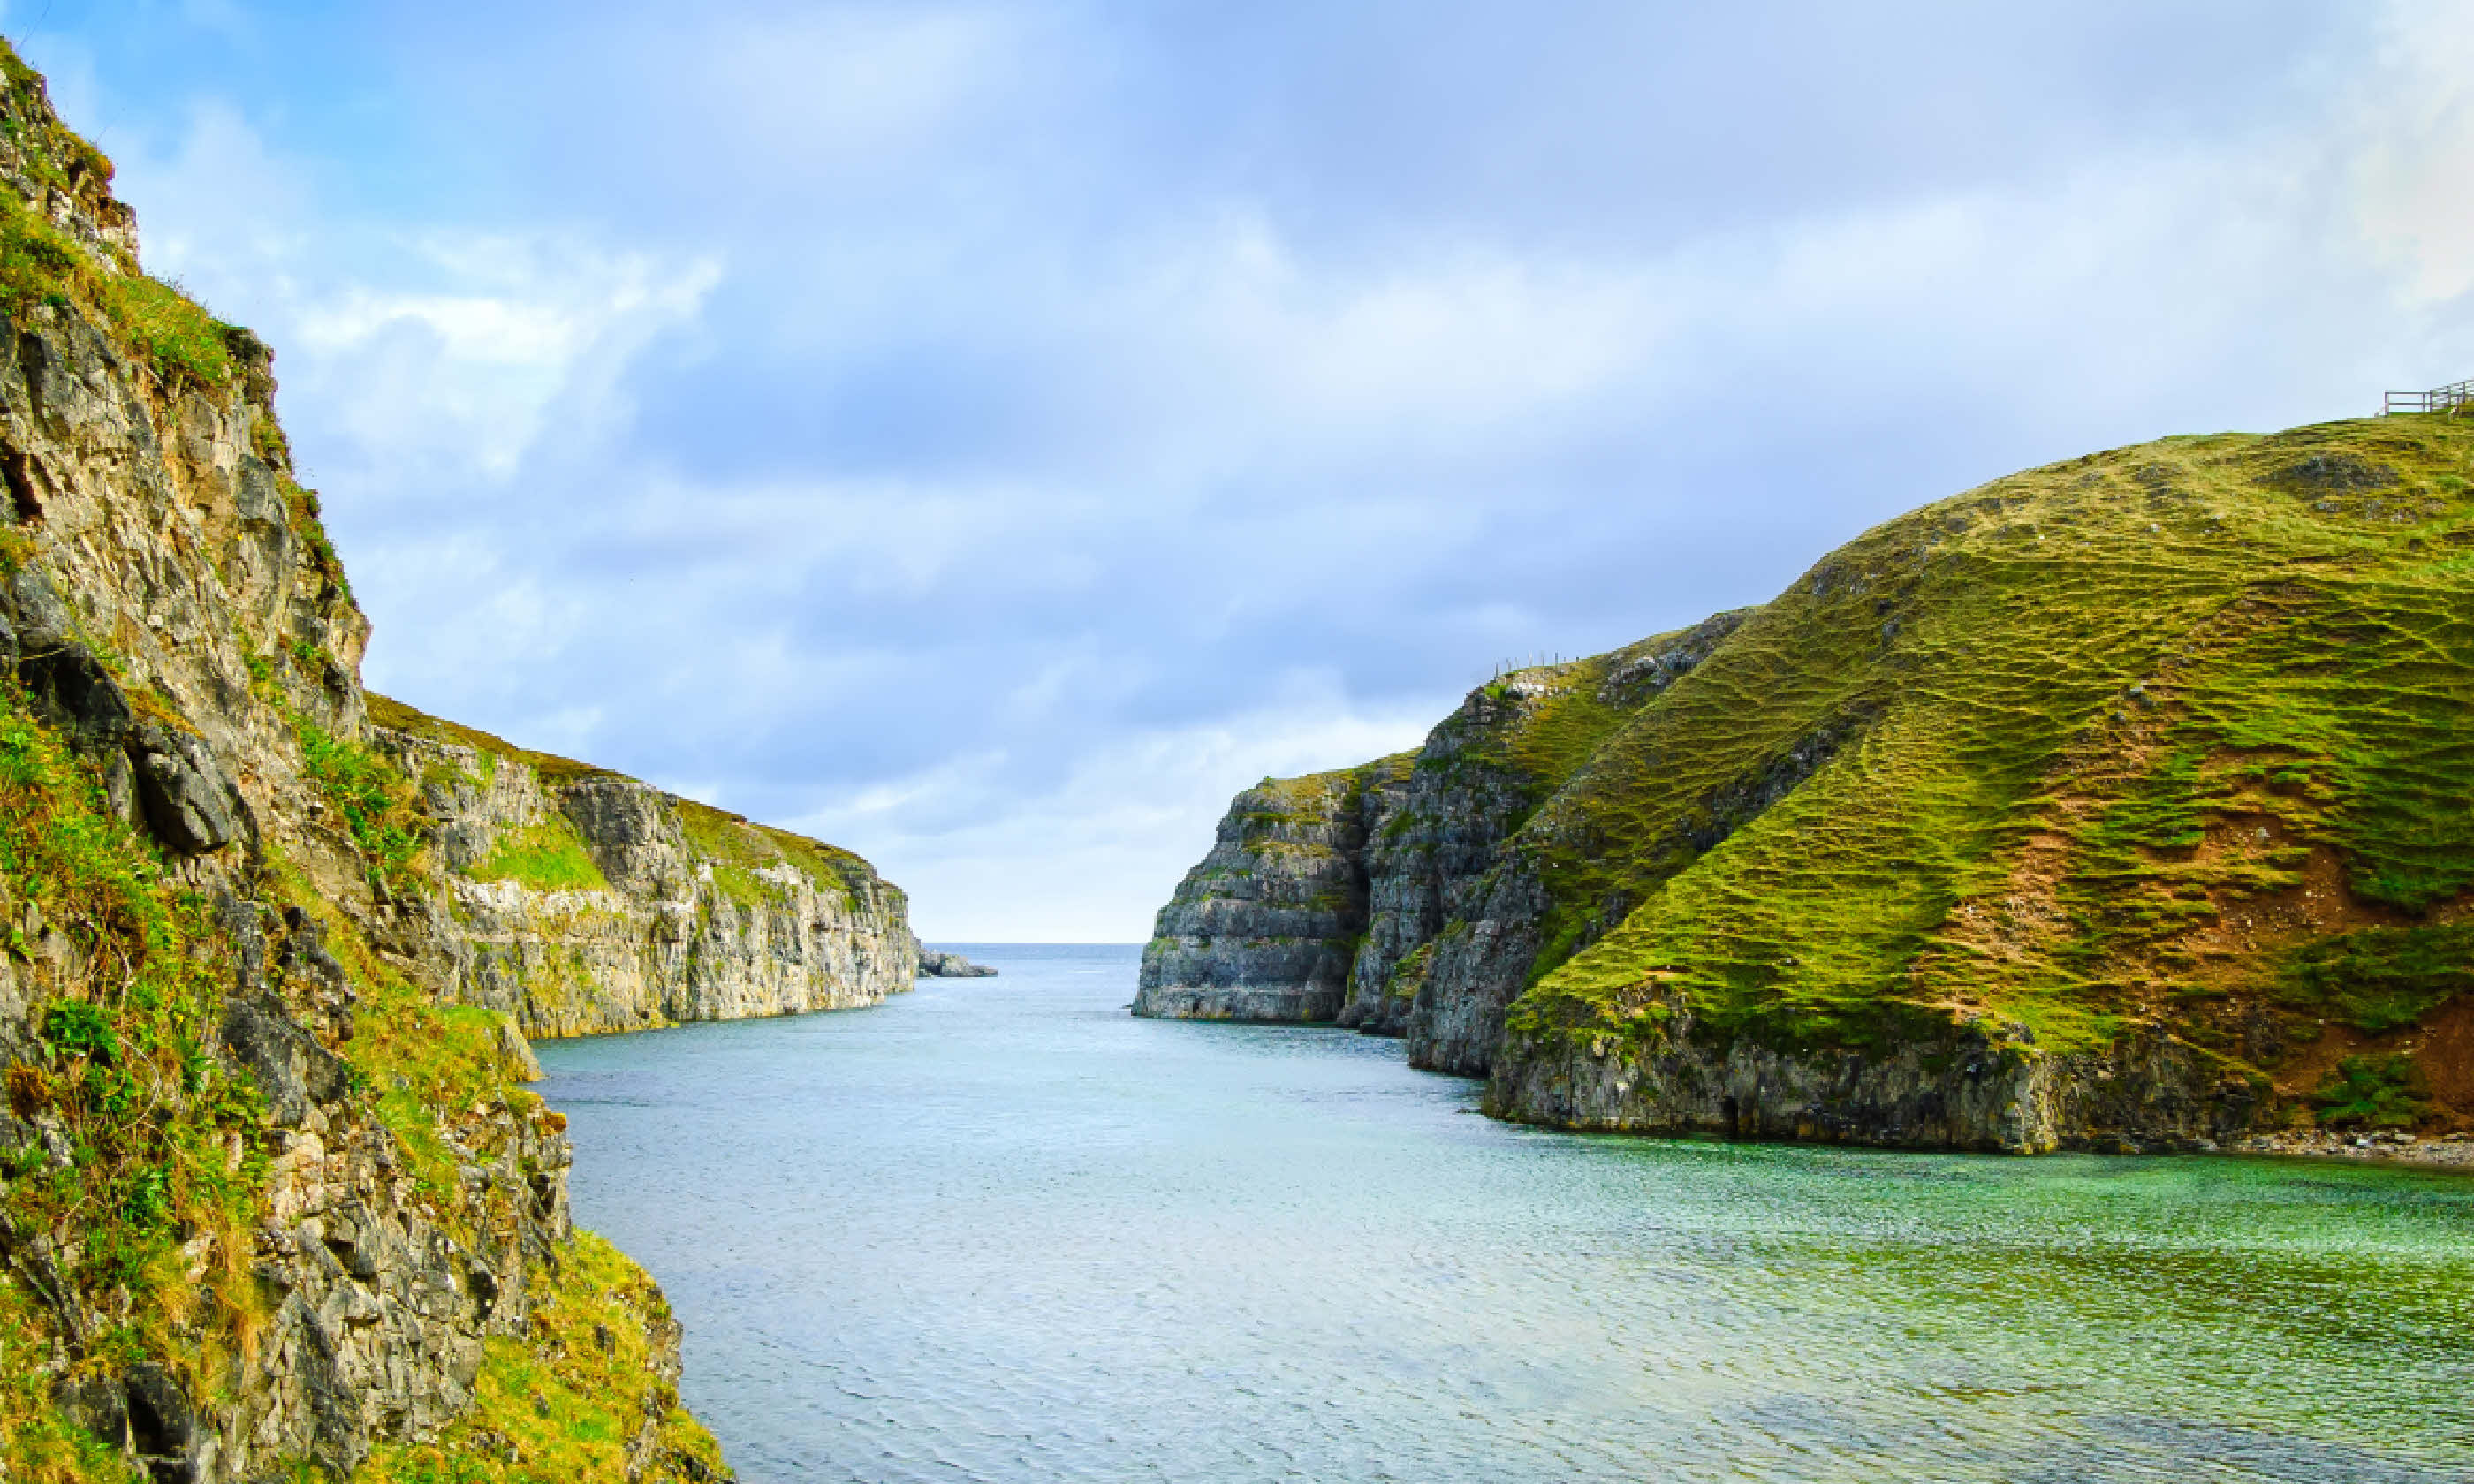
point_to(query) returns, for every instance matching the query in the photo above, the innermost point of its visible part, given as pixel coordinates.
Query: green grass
(552, 770)
(37, 1445)
(2025, 739)
(737, 850)
(548, 856)
(372, 797)
(163, 325)
(163, 1144)
(559, 1406)
(157, 323)
(304, 515)
(1484, 771)
(2373, 1092)
(2381, 978)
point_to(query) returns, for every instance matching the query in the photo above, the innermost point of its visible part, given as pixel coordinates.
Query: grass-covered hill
(2128, 797)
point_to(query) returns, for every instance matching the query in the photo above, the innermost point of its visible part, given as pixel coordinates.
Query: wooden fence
(2454, 397)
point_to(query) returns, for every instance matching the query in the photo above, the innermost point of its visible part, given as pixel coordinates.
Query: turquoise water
(999, 1229)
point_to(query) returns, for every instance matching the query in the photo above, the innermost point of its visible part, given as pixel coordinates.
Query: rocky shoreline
(2447, 1151)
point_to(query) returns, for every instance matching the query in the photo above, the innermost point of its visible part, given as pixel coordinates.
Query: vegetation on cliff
(596, 1373)
(263, 1190)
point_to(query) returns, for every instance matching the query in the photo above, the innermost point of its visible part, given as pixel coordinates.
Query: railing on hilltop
(2457, 397)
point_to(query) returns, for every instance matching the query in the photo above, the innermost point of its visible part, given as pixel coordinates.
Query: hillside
(2119, 802)
(273, 1203)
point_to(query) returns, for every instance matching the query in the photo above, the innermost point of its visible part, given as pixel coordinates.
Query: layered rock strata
(1324, 897)
(1263, 928)
(666, 910)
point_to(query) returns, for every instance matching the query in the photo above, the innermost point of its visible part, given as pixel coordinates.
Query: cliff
(582, 901)
(1323, 895)
(273, 1200)
(2117, 804)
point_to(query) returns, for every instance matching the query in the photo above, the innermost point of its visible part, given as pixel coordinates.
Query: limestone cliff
(1263, 929)
(582, 901)
(273, 1200)
(2117, 804)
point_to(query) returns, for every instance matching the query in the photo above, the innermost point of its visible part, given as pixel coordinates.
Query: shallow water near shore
(1000, 1230)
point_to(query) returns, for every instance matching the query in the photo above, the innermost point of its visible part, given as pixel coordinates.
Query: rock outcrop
(937, 964)
(2114, 805)
(1263, 928)
(272, 1196)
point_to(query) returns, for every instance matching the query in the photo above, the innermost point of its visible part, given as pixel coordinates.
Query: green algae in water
(998, 1229)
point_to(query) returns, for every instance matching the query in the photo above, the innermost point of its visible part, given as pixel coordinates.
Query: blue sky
(988, 434)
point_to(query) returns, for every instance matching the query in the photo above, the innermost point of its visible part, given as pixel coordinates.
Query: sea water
(1000, 1230)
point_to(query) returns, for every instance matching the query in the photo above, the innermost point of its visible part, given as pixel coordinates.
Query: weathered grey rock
(1384, 897)
(1404, 897)
(293, 1072)
(168, 618)
(70, 689)
(1262, 929)
(189, 804)
(937, 964)
(1961, 1088)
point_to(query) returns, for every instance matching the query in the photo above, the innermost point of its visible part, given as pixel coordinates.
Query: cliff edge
(273, 1203)
(2117, 804)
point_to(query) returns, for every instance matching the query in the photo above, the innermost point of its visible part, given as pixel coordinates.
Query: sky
(986, 436)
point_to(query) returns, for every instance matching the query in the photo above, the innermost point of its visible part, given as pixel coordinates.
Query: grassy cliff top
(733, 843)
(2178, 733)
(67, 244)
(396, 716)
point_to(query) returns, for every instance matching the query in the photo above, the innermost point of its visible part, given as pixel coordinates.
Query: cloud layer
(986, 435)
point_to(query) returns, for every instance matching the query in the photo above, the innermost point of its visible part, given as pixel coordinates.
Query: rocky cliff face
(2117, 804)
(272, 1196)
(1263, 929)
(579, 901)
(1328, 897)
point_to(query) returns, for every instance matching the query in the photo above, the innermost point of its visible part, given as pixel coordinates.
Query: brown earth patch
(2443, 1047)
(2249, 925)
(2307, 1064)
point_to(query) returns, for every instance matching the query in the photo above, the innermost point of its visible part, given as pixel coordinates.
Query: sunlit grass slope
(2182, 734)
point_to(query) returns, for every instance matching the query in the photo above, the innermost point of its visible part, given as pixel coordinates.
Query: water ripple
(1000, 1230)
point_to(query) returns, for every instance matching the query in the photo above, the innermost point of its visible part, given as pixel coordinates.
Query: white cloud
(2413, 151)
(1087, 861)
(1035, 476)
(468, 378)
